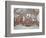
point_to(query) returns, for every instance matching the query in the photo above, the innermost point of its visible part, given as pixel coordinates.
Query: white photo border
(26, 30)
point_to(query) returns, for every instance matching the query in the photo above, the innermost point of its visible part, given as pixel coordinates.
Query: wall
(2, 19)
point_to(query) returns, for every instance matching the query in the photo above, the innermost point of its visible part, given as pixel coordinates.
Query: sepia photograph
(26, 18)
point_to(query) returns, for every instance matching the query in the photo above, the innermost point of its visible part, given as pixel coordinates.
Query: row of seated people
(19, 20)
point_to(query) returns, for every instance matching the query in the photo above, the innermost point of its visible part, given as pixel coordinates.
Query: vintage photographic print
(26, 18)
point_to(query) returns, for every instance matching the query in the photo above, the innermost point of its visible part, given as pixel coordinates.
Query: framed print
(24, 18)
